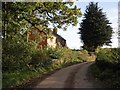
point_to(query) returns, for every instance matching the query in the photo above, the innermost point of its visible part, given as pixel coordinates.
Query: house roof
(55, 34)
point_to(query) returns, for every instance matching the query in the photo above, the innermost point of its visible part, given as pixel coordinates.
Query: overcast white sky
(111, 9)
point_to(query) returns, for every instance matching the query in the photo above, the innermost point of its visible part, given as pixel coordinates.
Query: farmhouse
(42, 38)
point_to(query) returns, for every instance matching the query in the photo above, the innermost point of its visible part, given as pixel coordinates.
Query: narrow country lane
(74, 76)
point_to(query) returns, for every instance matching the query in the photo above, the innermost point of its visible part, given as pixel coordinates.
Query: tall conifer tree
(95, 29)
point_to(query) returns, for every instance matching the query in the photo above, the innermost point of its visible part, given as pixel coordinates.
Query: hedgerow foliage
(108, 66)
(36, 61)
(15, 55)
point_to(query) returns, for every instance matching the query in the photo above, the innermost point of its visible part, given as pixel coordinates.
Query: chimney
(55, 30)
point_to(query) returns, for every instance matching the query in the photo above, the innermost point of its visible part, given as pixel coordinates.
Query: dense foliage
(95, 29)
(107, 67)
(15, 56)
(41, 61)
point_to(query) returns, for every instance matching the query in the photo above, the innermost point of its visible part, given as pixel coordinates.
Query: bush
(116, 55)
(109, 55)
(15, 55)
(108, 66)
(40, 57)
(55, 53)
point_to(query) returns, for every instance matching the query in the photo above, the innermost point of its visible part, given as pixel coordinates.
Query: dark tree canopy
(95, 29)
